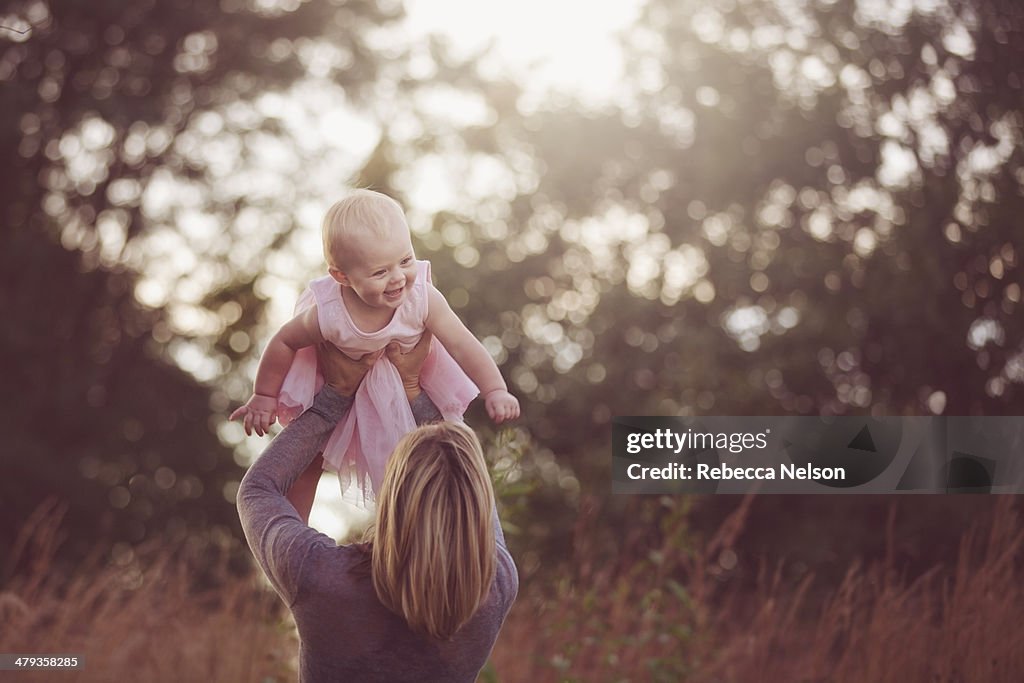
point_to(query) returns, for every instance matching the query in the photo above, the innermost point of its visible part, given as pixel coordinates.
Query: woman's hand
(340, 371)
(409, 364)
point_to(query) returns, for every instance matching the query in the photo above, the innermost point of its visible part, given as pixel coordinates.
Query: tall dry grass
(660, 612)
(662, 615)
(153, 613)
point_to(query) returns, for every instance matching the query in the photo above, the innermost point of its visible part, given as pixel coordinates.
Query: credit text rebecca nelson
(724, 472)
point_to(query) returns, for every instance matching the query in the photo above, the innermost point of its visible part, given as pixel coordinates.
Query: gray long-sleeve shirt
(345, 633)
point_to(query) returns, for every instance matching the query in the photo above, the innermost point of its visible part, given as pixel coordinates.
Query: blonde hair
(433, 547)
(360, 211)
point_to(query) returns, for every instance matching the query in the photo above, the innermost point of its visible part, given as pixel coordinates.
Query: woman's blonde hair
(361, 210)
(433, 549)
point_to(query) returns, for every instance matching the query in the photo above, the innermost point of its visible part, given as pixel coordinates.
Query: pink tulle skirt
(359, 447)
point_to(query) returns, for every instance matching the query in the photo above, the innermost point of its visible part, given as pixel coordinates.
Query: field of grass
(658, 613)
(151, 613)
(666, 616)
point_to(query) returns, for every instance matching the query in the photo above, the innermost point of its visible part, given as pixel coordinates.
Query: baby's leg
(302, 492)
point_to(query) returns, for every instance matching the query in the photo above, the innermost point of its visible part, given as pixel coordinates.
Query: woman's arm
(276, 534)
(471, 355)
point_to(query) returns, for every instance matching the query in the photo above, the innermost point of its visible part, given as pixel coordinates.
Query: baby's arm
(469, 353)
(260, 411)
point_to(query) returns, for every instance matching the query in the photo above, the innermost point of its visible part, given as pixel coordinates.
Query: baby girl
(376, 293)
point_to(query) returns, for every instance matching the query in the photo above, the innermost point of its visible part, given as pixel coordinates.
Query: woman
(424, 599)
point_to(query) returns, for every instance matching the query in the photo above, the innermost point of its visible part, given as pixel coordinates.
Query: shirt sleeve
(510, 586)
(277, 536)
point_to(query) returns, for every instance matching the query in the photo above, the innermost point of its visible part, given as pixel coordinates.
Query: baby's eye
(379, 273)
(407, 260)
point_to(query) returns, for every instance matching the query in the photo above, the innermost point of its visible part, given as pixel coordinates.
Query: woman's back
(345, 631)
(347, 634)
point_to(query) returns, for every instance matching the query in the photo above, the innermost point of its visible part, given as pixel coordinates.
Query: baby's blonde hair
(361, 211)
(433, 555)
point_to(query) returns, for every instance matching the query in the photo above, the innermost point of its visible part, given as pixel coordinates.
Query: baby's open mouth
(394, 293)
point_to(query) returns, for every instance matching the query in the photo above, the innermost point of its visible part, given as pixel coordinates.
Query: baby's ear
(339, 276)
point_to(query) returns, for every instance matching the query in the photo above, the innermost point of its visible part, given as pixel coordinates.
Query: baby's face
(381, 271)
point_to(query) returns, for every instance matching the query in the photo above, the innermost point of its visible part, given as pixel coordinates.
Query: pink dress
(360, 445)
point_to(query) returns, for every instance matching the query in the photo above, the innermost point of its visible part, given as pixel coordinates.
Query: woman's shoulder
(506, 578)
(336, 570)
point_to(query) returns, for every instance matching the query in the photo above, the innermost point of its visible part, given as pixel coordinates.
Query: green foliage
(613, 621)
(729, 234)
(738, 239)
(95, 411)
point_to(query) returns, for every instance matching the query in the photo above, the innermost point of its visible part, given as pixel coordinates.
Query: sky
(565, 45)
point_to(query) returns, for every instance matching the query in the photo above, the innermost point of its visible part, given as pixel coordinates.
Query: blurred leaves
(783, 208)
(105, 108)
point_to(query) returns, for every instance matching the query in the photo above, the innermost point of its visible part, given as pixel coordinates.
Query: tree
(99, 101)
(797, 210)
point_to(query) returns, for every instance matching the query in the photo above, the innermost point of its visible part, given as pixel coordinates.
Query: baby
(376, 293)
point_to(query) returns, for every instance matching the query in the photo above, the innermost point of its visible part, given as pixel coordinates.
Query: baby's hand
(259, 412)
(501, 406)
